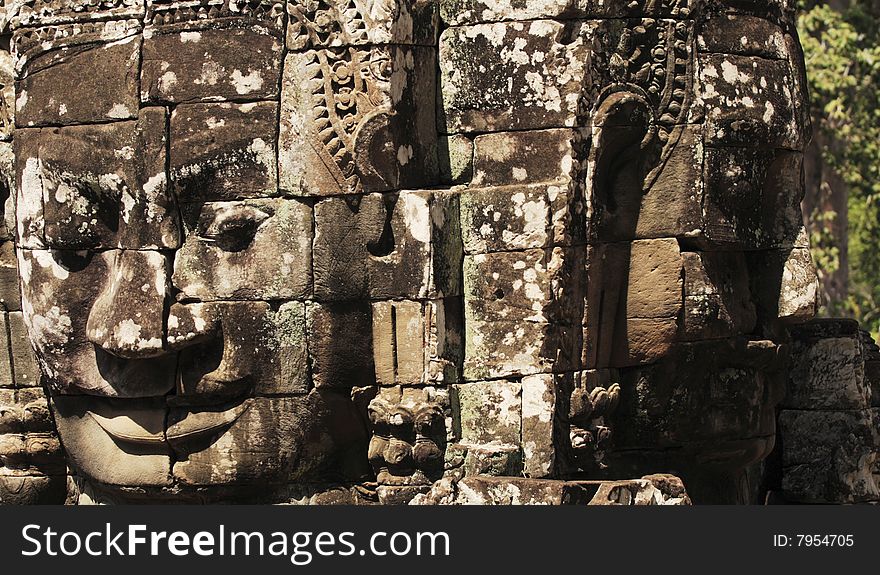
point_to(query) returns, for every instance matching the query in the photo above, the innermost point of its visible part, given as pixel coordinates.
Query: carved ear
(376, 161)
(625, 108)
(621, 156)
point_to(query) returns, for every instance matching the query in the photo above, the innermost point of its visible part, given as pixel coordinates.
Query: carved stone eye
(234, 229)
(72, 261)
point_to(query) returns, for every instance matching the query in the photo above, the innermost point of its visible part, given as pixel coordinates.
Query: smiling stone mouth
(143, 427)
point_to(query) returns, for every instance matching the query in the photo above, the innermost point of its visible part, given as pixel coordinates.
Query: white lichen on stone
(245, 84)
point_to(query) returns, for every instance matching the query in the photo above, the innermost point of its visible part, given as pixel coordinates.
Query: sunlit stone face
(252, 254)
(632, 225)
(698, 338)
(165, 274)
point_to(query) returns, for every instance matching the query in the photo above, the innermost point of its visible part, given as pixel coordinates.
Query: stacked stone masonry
(32, 468)
(829, 422)
(401, 246)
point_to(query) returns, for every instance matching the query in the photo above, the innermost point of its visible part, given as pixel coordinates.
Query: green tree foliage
(842, 50)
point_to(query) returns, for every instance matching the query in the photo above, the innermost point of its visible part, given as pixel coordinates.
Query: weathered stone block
(287, 351)
(444, 340)
(505, 348)
(752, 197)
(455, 155)
(496, 460)
(489, 412)
(743, 34)
(304, 435)
(798, 298)
(716, 398)
(871, 356)
(340, 344)
(253, 249)
(24, 362)
(527, 157)
(110, 325)
(317, 494)
(524, 90)
(224, 151)
(416, 342)
(649, 490)
(515, 285)
(238, 62)
(642, 341)
(354, 120)
(10, 296)
(30, 224)
(387, 246)
(784, 284)
(634, 296)
(243, 439)
(654, 287)
(485, 490)
(456, 12)
(538, 414)
(398, 342)
(505, 218)
(344, 231)
(828, 456)
(337, 24)
(518, 311)
(8, 190)
(7, 380)
(717, 298)
(607, 267)
(106, 84)
(749, 101)
(422, 255)
(671, 207)
(827, 373)
(399, 495)
(872, 375)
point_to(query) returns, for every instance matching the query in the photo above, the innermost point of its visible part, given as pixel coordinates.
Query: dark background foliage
(842, 204)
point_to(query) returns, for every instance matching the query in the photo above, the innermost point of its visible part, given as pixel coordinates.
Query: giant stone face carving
(253, 254)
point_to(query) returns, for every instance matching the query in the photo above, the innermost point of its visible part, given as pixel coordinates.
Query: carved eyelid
(72, 260)
(225, 220)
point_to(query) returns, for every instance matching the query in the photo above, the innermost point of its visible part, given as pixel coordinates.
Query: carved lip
(200, 423)
(133, 428)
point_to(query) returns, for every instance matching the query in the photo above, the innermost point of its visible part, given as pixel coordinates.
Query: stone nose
(127, 317)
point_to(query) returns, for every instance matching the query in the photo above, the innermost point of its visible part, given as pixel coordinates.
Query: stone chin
(718, 413)
(120, 445)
